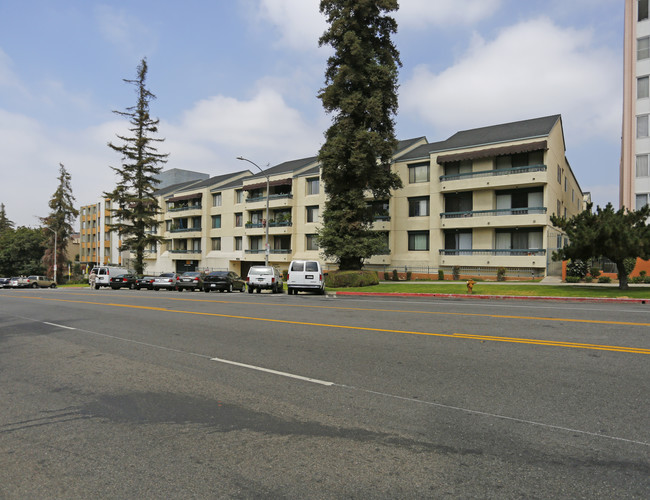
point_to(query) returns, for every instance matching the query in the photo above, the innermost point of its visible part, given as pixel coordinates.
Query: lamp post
(266, 250)
(55, 237)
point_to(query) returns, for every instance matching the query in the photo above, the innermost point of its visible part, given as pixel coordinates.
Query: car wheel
(321, 291)
(131, 286)
(259, 290)
(230, 288)
(35, 285)
(250, 289)
(114, 287)
(155, 289)
(53, 285)
(206, 290)
(274, 289)
(180, 289)
(96, 287)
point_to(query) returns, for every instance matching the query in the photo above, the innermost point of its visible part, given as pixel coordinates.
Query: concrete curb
(497, 297)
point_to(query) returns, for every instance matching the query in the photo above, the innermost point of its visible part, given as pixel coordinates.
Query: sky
(241, 78)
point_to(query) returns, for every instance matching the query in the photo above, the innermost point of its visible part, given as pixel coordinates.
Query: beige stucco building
(480, 200)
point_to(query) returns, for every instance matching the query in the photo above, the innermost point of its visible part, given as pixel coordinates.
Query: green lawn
(484, 288)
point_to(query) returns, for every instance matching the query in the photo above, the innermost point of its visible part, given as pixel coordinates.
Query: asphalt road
(142, 394)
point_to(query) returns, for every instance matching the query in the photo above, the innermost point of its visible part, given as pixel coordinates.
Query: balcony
(183, 209)
(185, 250)
(530, 175)
(494, 213)
(184, 229)
(495, 251)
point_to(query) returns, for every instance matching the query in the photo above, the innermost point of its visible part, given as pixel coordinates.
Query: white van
(305, 275)
(105, 273)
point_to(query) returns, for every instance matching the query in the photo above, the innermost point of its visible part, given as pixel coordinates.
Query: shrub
(576, 267)
(572, 279)
(646, 279)
(386, 276)
(501, 274)
(604, 279)
(455, 273)
(395, 275)
(408, 275)
(344, 279)
(643, 275)
(589, 279)
(441, 275)
(594, 272)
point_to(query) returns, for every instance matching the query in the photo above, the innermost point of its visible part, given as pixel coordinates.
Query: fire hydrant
(470, 285)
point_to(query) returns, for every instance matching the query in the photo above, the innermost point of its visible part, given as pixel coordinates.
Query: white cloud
(8, 79)
(299, 22)
(531, 69)
(424, 13)
(126, 32)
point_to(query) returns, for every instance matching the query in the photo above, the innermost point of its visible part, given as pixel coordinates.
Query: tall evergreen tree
(5, 223)
(60, 220)
(361, 93)
(137, 207)
(617, 235)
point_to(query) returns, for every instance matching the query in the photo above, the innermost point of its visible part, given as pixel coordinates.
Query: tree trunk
(622, 276)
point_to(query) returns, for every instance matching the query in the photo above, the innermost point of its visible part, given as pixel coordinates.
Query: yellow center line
(406, 311)
(549, 343)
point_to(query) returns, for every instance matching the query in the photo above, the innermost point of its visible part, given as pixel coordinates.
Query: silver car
(166, 281)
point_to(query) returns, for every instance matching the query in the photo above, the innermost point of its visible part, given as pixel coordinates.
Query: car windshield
(191, 273)
(260, 270)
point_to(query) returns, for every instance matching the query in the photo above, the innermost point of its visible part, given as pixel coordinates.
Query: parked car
(123, 281)
(305, 275)
(264, 278)
(105, 273)
(144, 282)
(166, 281)
(190, 280)
(5, 282)
(223, 281)
(40, 282)
(18, 282)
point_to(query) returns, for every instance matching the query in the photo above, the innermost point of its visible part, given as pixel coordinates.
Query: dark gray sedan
(224, 281)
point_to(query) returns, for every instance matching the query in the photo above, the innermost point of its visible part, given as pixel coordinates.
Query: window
(519, 160)
(458, 167)
(458, 202)
(641, 126)
(519, 239)
(559, 175)
(312, 214)
(239, 195)
(256, 243)
(643, 10)
(642, 200)
(311, 241)
(566, 184)
(418, 241)
(418, 172)
(216, 222)
(642, 166)
(216, 243)
(313, 185)
(642, 87)
(239, 219)
(458, 240)
(643, 48)
(216, 199)
(559, 208)
(238, 243)
(419, 207)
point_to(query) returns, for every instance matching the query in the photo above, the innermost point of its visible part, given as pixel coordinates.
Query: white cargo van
(305, 275)
(105, 273)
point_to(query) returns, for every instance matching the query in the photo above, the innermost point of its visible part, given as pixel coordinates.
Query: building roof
(287, 167)
(495, 134)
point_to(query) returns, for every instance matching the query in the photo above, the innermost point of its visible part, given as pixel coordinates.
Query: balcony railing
(495, 251)
(493, 213)
(184, 229)
(272, 197)
(185, 251)
(491, 173)
(252, 225)
(189, 207)
(254, 250)
(280, 250)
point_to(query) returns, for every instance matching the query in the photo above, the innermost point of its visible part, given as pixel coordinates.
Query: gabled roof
(288, 167)
(495, 134)
(174, 187)
(217, 179)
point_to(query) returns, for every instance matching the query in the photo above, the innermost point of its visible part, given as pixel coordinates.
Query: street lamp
(266, 251)
(55, 236)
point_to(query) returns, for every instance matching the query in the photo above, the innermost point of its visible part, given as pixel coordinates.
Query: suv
(40, 282)
(305, 275)
(192, 280)
(264, 277)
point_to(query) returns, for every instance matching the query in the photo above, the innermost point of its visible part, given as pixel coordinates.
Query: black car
(190, 280)
(4, 282)
(223, 281)
(123, 281)
(144, 282)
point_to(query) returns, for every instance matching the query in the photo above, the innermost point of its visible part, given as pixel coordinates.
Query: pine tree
(617, 235)
(5, 223)
(361, 93)
(136, 206)
(59, 223)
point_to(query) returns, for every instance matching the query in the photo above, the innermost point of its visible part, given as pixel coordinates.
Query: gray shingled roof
(495, 134)
(287, 167)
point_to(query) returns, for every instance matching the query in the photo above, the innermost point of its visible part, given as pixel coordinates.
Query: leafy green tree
(21, 251)
(137, 206)
(361, 93)
(5, 223)
(617, 235)
(59, 222)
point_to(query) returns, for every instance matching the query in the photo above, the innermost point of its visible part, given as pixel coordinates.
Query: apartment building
(98, 244)
(634, 180)
(480, 200)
